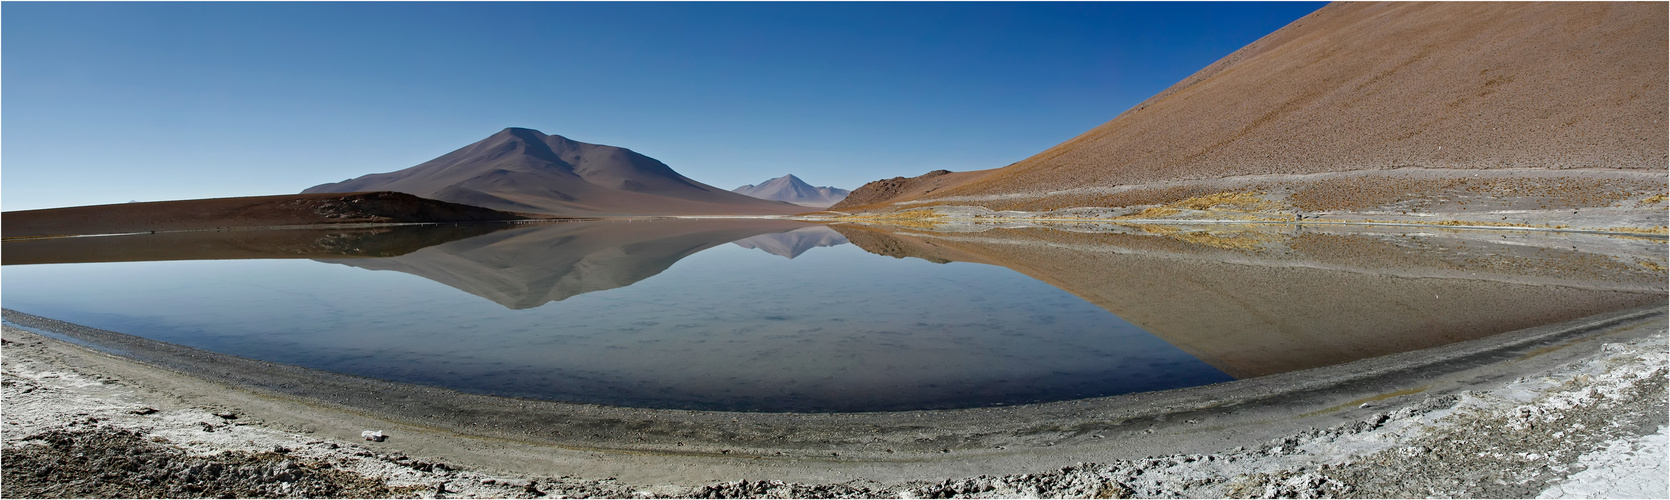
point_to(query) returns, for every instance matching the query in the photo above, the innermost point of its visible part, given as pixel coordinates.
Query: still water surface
(725, 327)
(785, 316)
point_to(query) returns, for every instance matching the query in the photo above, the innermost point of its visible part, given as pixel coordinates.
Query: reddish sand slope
(906, 188)
(1370, 86)
(250, 211)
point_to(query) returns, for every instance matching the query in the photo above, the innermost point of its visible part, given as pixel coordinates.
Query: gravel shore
(1577, 411)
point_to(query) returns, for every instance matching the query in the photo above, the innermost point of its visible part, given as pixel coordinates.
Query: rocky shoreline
(1584, 417)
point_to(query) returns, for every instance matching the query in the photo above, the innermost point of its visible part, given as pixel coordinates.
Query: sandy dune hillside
(1446, 88)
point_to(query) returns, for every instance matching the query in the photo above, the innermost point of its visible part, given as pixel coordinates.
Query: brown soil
(243, 212)
(898, 188)
(1589, 199)
(1372, 86)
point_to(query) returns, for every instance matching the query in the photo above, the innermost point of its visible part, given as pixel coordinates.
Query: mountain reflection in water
(378, 241)
(836, 329)
(793, 243)
(529, 266)
(1256, 301)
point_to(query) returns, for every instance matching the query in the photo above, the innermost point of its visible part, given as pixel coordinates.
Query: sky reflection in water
(670, 314)
(657, 314)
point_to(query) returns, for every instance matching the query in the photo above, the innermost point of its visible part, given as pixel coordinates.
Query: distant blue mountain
(793, 190)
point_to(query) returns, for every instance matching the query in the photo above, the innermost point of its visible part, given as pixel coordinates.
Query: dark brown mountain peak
(527, 170)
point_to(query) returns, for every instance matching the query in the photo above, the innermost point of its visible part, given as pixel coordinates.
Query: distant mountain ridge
(525, 170)
(791, 189)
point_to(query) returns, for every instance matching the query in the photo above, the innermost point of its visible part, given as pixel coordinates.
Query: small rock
(143, 411)
(227, 415)
(373, 436)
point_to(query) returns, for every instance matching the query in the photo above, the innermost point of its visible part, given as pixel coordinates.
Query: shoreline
(974, 221)
(885, 454)
(350, 225)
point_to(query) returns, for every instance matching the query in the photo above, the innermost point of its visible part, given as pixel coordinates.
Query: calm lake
(763, 315)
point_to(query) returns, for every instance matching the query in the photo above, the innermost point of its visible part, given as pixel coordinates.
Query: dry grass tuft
(1151, 213)
(1660, 230)
(920, 218)
(1240, 201)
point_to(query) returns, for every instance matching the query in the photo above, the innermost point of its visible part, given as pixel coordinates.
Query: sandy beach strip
(1526, 413)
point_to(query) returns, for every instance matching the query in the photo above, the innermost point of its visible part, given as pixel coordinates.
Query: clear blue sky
(111, 102)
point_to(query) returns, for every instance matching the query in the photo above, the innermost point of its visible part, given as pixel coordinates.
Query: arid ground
(1535, 114)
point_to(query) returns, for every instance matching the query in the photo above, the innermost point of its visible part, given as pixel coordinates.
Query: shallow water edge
(589, 439)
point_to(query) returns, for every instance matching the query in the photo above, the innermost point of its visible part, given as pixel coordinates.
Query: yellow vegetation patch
(1651, 265)
(915, 218)
(1664, 230)
(1657, 198)
(1241, 201)
(1230, 201)
(1151, 213)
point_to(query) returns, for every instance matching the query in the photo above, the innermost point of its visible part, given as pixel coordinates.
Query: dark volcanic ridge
(524, 170)
(791, 189)
(244, 212)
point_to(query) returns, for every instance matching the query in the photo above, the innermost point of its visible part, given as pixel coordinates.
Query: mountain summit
(791, 189)
(524, 170)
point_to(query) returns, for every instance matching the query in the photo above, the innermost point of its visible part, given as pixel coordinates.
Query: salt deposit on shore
(1590, 425)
